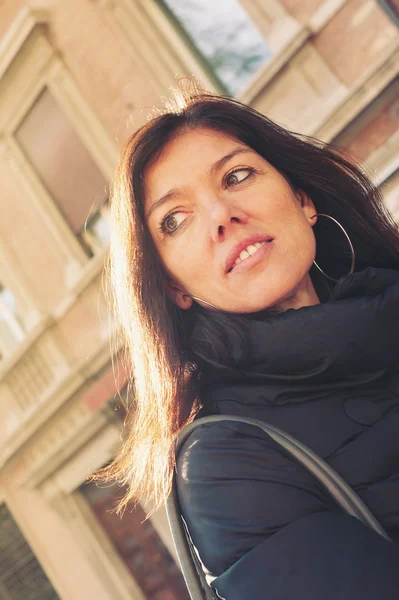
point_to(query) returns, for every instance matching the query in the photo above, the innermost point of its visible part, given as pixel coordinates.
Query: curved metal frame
(350, 246)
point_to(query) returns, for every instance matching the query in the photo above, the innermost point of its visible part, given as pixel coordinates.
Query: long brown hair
(154, 333)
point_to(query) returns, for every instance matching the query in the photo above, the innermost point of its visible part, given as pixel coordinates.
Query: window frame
(153, 42)
(28, 64)
(187, 36)
(150, 34)
(12, 321)
(392, 13)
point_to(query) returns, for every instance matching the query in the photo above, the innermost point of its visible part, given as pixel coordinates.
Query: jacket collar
(351, 339)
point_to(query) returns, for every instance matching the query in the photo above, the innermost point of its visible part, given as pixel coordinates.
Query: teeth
(249, 250)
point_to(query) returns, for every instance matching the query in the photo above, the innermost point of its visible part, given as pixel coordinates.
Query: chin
(256, 307)
(274, 294)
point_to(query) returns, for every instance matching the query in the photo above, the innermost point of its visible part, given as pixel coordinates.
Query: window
(96, 229)
(391, 7)
(66, 168)
(224, 36)
(137, 543)
(12, 330)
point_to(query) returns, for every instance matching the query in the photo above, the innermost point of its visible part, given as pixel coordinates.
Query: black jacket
(328, 375)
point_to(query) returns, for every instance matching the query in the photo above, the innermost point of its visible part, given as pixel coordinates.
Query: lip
(238, 248)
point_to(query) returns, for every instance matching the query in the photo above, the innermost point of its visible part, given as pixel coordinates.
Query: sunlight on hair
(186, 90)
(150, 333)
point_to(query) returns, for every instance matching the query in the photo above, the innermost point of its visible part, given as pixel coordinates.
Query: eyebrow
(168, 196)
(222, 161)
(214, 169)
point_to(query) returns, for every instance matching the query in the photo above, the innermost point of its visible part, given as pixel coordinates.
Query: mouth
(247, 252)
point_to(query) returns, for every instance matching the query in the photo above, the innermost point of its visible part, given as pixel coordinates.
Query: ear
(181, 299)
(307, 206)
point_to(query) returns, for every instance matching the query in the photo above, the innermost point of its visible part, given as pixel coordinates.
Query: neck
(303, 295)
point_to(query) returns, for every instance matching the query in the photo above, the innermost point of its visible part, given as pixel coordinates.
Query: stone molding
(92, 453)
(60, 490)
(59, 451)
(26, 21)
(33, 541)
(32, 337)
(24, 295)
(31, 374)
(277, 26)
(45, 372)
(344, 104)
(110, 568)
(324, 14)
(152, 41)
(258, 84)
(307, 80)
(384, 162)
(360, 96)
(72, 445)
(75, 382)
(56, 226)
(87, 275)
(30, 63)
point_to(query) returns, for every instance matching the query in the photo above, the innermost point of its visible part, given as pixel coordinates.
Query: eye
(238, 176)
(171, 222)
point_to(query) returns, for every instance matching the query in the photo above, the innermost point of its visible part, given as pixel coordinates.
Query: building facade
(77, 77)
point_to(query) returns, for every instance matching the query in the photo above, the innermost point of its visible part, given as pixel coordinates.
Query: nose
(223, 218)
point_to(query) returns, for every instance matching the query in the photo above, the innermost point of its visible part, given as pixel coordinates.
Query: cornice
(83, 452)
(324, 14)
(79, 379)
(276, 64)
(63, 437)
(45, 323)
(20, 30)
(360, 96)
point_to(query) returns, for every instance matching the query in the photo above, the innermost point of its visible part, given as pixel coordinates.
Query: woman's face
(228, 227)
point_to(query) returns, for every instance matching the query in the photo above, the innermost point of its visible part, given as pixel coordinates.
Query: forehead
(188, 155)
(197, 141)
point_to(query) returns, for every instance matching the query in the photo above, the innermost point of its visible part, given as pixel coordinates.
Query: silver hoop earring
(350, 245)
(201, 301)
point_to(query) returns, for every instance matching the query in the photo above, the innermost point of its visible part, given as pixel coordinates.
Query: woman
(229, 266)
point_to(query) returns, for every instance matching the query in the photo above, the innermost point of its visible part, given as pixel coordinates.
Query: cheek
(302, 247)
(184, 261)
(301, 239)
(294, 230)
(284, 213)
(277, 200)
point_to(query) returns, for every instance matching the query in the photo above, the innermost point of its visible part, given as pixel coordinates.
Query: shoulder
(230, 452)
(236, 486)
(219, 442)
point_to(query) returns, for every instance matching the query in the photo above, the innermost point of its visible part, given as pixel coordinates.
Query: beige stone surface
(37, 257)
(307, 84)
(52, 537)
(375, 127)
(356, 39)
(301, 10)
